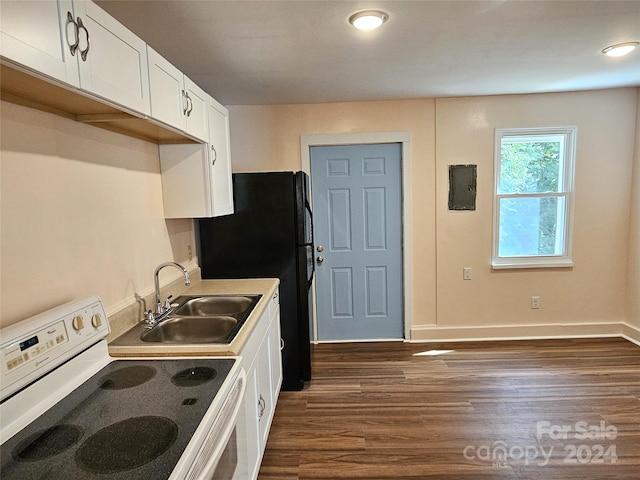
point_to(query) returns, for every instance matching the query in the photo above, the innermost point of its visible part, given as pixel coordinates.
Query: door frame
(321, 140)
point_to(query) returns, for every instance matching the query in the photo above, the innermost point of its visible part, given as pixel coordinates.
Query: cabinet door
(37, 35)
(222, 187)
(252, 444)
(275, 345)
(266, 405)
(197, 114)
(186, 189)
(166, 89)
(116, 63)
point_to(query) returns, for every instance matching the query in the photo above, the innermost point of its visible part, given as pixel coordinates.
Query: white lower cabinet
(263, 365)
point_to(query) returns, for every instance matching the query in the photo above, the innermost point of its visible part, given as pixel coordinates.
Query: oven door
(219, 457)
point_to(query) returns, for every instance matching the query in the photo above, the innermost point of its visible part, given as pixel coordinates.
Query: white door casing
(308, 141)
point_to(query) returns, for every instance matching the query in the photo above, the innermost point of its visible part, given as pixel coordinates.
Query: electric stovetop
(131, 420)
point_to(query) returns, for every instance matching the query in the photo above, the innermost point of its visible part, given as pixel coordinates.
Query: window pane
(531, 226)
(531, 165)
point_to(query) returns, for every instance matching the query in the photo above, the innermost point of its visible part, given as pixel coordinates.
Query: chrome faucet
(162, 311)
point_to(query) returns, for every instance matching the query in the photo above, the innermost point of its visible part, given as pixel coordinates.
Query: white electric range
(69, 410)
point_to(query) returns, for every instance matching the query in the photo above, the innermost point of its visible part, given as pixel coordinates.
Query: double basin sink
(198, 319)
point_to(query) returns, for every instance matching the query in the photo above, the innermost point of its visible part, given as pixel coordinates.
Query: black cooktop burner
(127, 377)
(127, 444)
(47, 443)
(132, 420)
(191, 377)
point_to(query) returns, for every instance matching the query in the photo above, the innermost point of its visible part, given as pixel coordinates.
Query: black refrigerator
(269, 235)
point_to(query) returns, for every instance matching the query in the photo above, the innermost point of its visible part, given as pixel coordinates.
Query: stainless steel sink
(195, 320)
(200, 329)
(214, 305)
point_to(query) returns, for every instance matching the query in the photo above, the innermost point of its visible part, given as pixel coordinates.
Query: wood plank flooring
(485, 410)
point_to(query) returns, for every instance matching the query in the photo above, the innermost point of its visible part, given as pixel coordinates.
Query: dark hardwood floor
(548, 409)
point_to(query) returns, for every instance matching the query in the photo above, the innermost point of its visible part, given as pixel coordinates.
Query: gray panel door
(357, 204)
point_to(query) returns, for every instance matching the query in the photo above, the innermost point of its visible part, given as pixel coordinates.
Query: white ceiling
(280, 52)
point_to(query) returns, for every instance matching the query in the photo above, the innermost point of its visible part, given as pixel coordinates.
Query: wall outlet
(466, 273)
(189, 253)
(535, 302)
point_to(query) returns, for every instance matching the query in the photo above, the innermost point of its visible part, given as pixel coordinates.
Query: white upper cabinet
(197, 114)
(196, 179)
(79, 44)
(116, 61)
(186, 186)
(176, 100)
(219, 150)
(166, 85)
(38, 35)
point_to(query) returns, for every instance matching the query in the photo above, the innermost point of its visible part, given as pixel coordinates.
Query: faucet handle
(150, 317)
(167, 303)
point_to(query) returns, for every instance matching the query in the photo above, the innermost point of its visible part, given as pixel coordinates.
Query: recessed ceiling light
(368, 19)
(620, 49)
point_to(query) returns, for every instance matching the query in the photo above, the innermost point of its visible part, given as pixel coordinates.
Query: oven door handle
(220, 432)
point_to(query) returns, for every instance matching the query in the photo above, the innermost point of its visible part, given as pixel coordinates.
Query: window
(533, 197)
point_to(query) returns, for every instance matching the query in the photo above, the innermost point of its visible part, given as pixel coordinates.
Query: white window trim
(538, 261)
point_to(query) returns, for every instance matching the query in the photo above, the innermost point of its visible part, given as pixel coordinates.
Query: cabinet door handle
(83, 53)
(261, 406)
(215, 155)
(72, 46)
(281, 344)
(184, 102)
(190, 105)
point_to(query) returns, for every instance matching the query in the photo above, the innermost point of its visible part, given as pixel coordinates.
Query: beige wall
(633, 312)
(594, 290)
(81, 215)
(587, 299)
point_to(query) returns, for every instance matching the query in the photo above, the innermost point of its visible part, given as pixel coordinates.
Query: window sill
(538, 263)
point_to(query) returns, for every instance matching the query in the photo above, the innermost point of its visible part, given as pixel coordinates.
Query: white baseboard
(631, 333)
(434, 333)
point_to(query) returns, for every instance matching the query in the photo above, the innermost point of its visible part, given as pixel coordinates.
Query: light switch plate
(466, 273)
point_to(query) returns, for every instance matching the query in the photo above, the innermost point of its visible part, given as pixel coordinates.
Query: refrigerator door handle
(309, 249)
(308, 208)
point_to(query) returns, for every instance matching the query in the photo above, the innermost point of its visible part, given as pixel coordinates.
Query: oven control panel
(35, 346)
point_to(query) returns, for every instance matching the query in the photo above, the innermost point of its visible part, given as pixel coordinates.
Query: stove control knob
(78, 322)
(96, 320)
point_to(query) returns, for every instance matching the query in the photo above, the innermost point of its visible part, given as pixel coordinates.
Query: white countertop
(246, 286)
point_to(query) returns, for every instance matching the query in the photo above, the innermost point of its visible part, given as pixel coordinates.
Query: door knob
(320, 248)
(320, 259)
